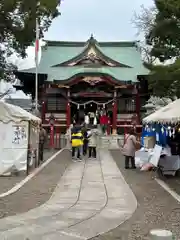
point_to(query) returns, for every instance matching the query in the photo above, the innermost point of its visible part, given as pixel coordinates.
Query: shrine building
(89, 75)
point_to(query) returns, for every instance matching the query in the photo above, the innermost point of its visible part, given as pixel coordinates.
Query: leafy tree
(164, 39)
(160, 25)
(18, 26)
(164, 36)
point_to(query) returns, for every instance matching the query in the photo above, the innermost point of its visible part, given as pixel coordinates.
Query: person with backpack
(77, 142)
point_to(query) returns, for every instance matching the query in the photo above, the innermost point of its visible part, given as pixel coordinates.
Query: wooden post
(114, 125)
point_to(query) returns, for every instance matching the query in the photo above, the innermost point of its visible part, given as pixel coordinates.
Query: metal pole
(36, 62)
(36, 89)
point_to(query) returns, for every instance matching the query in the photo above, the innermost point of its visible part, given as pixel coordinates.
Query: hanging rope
(91, 101)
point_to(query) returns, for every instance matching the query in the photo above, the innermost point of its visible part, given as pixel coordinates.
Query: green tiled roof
(117, 73)
(123, 52)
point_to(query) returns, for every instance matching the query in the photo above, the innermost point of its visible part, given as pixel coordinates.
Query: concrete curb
(30, 176)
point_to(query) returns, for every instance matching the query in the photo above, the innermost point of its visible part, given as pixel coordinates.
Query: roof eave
(82, 44)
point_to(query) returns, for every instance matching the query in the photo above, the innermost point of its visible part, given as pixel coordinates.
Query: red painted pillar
(43, 102)
(43, 111)
(52, 123)
(68, 115)
(68, 111)
(114, 125)
(138, 106)
(52, 136)
(109, 127)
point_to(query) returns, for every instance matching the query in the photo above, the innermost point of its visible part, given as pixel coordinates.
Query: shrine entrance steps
(111, 141)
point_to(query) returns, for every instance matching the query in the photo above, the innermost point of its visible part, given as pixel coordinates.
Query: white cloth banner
(14, 145)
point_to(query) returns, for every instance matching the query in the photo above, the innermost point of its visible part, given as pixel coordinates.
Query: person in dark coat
(85, 136)
(42, 140)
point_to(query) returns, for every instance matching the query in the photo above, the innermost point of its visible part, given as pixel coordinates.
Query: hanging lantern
(78, 106)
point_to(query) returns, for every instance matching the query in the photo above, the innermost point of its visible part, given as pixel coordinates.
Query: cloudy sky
(106, 20)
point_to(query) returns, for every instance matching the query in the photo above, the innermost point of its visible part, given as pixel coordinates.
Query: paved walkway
(91, 198)
(156, 207)
(38, 190)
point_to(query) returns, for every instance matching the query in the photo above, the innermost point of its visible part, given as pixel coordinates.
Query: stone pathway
(38, 190)
(91, 198)
(156, 208)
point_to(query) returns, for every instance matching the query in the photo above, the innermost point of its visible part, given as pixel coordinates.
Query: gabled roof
(124, 53)
(93, 48)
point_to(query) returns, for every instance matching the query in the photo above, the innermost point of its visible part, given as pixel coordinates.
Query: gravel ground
(173, 182)
(38, 190)
(8, 182)
(156, 208)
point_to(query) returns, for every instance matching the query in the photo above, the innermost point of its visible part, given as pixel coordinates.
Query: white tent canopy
(9, 112)
(18, 129)
(167, 114)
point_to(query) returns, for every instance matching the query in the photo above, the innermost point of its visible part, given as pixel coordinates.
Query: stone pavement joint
(91, 198)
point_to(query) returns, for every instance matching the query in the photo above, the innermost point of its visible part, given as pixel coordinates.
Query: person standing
(129, 149)
(42, 140)
(81, 115)
(86, 119)
(85, 138)
(92, 115)
(104, 122)
(93, 143)
(77, 142)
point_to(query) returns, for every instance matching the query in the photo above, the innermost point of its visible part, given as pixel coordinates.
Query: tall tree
(164, 39)
(164, 36)
(18, 26)
(160, 25)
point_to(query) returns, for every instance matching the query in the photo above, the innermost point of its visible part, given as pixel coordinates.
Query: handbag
(126, 140)
(122, 147)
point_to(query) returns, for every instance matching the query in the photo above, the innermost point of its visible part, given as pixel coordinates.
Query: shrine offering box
(149, 142)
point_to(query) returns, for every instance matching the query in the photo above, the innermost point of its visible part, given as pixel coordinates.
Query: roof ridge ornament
(92, 40)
